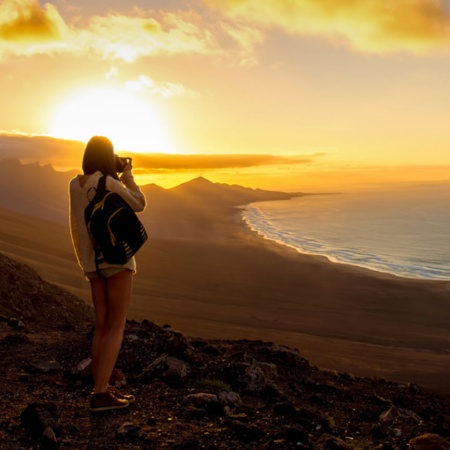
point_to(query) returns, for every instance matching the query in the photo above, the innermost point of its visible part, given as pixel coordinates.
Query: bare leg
(111, 298)
(100, 301)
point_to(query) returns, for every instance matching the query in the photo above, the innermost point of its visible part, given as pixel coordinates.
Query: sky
(280, 94)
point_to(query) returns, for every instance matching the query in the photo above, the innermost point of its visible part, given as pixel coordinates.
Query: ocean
(402, 230)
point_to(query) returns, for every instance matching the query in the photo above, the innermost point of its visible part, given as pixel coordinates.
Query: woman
(111, 292)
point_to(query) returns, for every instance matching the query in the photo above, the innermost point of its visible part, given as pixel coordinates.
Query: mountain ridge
(41, 191)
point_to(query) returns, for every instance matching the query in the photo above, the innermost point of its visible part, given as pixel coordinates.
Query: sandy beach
(204, 272)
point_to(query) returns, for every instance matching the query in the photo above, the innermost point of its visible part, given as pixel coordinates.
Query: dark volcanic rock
(27, 299)
(190, 392)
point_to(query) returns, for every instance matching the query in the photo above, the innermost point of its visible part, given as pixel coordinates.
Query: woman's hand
(128, 165)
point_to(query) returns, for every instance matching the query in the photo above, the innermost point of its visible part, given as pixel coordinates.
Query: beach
(204, 272)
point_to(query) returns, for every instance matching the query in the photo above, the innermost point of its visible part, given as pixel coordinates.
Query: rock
(394, 413)
(171, 370)
(132, 337)
(15, 323)
(42, 419)
(246, 432)
(376, 432)
(117, 378)
(240, 416)
(84, 368)
(23, 377)
(152, 370)
(206, 401)
(429, 442)
(195, 413)
(331, 443)
(313, 421)
(50, 435)
(379, 401)
(285, 409)
(229, 398)
(176, 342)
(14, 339)
(175, 372)
(298, 436)
(128, 430)
(250, 378)
(205, 347)
(45, 366)
(413, 388)
(390, 415)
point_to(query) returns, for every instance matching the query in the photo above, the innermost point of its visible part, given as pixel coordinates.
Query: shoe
(120, 395)
(104, 401)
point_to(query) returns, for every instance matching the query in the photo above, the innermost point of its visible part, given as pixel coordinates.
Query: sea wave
(379, 260)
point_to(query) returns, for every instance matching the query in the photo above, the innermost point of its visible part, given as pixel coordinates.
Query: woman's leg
(100, 301)
(107, 343)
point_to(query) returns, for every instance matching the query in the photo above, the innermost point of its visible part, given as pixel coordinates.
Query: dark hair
(99, 155)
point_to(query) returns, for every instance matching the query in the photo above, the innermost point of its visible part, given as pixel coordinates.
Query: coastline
(353, 248)
(206, 273)
(226, 281)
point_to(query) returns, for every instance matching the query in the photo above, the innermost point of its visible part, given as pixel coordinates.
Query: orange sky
(280, 94)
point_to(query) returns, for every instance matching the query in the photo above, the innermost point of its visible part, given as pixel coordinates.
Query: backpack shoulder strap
(101, 187)
(101, 184)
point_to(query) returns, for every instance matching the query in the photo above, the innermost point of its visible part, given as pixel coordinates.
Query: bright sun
(130, 122)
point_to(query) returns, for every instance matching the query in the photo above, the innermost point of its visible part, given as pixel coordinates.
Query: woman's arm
(130, 192)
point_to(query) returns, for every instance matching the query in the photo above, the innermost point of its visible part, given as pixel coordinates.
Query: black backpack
(115, 230)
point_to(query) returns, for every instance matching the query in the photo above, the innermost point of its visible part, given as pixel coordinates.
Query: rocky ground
(191, 393)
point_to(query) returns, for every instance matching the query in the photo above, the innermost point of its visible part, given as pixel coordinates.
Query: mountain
(222, 194)
(42, 192)
(36, 190)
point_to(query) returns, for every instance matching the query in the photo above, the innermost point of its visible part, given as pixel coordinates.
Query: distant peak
(201, 180)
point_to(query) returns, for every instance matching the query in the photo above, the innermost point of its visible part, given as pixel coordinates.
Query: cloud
(177, 162)
(247, 40)
(26, 28)
(128, 38)
(42, 149)
(377, 26)
(163, 89)
(68, 154)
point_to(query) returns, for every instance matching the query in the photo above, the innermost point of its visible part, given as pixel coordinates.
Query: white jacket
(79, 199)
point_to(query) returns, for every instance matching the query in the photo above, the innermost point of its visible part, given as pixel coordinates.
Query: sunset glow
(348, 90)
(131, 123)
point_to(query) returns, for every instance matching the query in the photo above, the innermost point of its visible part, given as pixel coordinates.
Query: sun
(130, 122)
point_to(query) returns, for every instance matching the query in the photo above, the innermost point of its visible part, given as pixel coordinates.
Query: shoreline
(388, 265)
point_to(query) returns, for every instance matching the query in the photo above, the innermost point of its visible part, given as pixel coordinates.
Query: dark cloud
(66, 153)
(42, 149)
(211, 162)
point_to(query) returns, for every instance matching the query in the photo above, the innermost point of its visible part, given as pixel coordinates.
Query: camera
(121, 163)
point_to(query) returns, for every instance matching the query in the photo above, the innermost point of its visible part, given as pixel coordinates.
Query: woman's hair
(99, 155)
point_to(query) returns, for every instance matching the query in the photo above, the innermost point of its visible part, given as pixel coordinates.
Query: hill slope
(191, 393)
(25, 296)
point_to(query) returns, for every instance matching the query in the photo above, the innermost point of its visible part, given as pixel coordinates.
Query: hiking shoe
(104, 401)
(120, 395)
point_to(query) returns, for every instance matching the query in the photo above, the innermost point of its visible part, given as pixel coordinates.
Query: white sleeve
(130, 192)
(74, 229)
